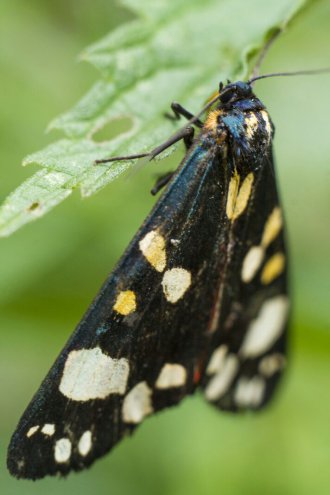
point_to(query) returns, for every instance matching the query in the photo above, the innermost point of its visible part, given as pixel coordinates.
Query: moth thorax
(258, 125)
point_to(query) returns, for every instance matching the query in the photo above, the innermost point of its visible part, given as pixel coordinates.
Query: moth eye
(227, 95)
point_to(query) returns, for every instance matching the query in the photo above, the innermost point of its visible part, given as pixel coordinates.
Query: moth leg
(161, 182)
(122, 158)
(189, 137)
(179, 111)
(187, 134)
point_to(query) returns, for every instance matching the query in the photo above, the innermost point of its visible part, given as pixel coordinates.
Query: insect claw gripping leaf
(198, 300)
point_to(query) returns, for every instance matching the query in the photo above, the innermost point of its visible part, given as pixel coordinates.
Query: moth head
(238, 90)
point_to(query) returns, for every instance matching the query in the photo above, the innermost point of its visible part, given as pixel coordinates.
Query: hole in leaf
(113, 129)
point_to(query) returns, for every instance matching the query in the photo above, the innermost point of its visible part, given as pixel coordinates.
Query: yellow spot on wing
(238, 197)
(243, 195)
(232, 195)
(153, 249)
(273, 268)
(125, 302)
(272, 228)
(255, 256)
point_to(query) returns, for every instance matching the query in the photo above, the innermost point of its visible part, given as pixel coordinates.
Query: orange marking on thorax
(211, 122)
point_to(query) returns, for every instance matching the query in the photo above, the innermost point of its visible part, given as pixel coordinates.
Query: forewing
(249, 343)
(198, 298)
(143, 343)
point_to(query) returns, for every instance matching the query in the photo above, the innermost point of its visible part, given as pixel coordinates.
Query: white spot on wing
(85, 443)
(266, 328)
(89, 374)
(48, 429)
(221, 381)
(271, 364)
(255, 256)
(217, 360)
(32, 431)
(137, 404)
(249, 392)
(252, 262)
(175, 283)
(171, 375)
(62, 450)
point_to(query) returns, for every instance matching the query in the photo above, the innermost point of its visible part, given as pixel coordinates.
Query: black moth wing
(198, 298)
(251, 306)
(143, 343)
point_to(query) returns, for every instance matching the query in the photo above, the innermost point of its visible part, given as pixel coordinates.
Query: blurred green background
(51, 269)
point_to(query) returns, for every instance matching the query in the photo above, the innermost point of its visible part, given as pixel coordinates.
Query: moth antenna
(264, 51)
(293, 73)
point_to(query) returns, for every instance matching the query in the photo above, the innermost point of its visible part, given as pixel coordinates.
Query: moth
(199, 300)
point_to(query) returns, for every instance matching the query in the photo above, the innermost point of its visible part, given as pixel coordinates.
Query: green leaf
(173, 51)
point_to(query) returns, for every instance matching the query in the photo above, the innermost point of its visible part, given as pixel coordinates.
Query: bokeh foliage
(51, 269)
(144, 64)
